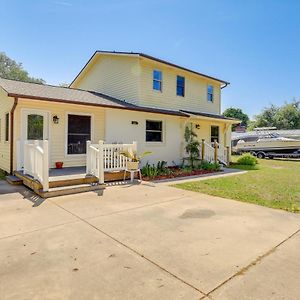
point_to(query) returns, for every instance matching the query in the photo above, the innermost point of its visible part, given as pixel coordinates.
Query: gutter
(225, 84)
(12, 112)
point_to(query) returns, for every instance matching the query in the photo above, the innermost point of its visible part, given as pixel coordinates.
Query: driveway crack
(252, 264)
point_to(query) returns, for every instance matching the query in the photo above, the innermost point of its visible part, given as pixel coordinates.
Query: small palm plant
(134, 156)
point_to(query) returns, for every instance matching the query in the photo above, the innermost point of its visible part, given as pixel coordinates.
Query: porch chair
(132, 171)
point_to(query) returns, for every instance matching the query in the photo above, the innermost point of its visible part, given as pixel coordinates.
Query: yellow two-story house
(118, 97)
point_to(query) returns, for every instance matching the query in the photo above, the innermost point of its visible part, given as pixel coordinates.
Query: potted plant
(59, 164)
(134, 158)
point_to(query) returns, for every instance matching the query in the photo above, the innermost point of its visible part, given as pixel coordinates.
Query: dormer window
(180, 86)
(210, 93)
(157, 80)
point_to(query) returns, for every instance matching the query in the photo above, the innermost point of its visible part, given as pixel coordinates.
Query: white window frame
(162, 131)
(66, 131)
(160, 81)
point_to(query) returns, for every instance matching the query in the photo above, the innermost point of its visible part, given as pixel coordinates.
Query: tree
(286, 116)
(10, 69)
(236, 113)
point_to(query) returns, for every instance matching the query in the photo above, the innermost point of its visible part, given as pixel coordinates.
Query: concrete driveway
(145, 242)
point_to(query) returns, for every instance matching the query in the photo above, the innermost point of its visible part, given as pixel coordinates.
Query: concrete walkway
(145, 242)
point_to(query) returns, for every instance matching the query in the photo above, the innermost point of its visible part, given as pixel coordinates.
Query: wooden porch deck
(68, 180)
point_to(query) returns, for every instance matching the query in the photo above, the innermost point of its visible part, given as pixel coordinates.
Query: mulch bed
(179, 173)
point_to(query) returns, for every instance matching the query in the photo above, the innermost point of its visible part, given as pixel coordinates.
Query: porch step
(70, 180)
(14, 180)
(69, 190)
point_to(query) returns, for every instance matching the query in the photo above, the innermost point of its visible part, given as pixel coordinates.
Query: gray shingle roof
(69, 95)
(208, 115)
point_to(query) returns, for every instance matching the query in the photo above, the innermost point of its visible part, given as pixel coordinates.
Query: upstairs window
(214, 133)
(157, 80)
(7, 127)
(154, 131)
(79, 132)
(180, 86)
(210, 93)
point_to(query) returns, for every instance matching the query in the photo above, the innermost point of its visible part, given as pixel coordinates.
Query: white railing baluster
(36, 162)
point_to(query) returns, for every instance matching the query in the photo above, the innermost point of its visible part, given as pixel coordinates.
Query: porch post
(36, 144)
(228, 154)
(202, 149)
(100, 163)
(46, 166)
(88, 157)
(216, 151)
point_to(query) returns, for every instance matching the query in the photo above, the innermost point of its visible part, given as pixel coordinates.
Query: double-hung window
(214, 134)
(180, 86)
(79, 132)
(157, 80)
(7, 127)
(210, 93)
(154, 132)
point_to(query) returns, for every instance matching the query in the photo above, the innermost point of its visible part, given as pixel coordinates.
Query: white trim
(23, 129)
(163, 132)
(66, 131)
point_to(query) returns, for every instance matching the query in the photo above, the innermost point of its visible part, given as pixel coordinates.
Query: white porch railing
(36, 161)
(222, 154)
(209, 152)
(214, 152)
(109, 155)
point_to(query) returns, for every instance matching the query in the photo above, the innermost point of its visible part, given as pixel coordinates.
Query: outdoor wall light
(197, 126)
(134, 122)
(55, 119)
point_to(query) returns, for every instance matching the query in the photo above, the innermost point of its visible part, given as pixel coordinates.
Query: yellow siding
(195, 90)
(58, 131)
(6, 104)
(116, 76)
(130, 78)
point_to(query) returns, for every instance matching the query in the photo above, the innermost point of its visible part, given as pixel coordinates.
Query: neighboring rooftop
(139, 54)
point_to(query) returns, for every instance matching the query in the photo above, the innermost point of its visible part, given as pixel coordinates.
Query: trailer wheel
(260, 155)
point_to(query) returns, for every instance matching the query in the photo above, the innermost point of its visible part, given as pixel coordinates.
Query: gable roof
(52, 93)
(139, 54)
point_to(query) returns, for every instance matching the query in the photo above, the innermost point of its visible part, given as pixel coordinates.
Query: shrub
(247, 160)
(205, 165)
(155, 170)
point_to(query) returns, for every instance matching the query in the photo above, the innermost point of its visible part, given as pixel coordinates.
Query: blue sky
(253, 44)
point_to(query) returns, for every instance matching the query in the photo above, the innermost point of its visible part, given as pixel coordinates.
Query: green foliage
(10, 69)
(155, 170)
(2, 174)
(286, 116)
(192, 144)
(236, 113)
(205, 165)
(247, 159)
(133, 156)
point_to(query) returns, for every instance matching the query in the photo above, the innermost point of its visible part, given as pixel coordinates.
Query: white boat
(264, 140)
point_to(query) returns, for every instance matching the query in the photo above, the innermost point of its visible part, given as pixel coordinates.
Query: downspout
(12, 112)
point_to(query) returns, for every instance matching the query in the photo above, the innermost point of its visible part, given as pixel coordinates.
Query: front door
(35, 126)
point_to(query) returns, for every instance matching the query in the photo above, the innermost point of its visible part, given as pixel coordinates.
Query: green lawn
(272, 183)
